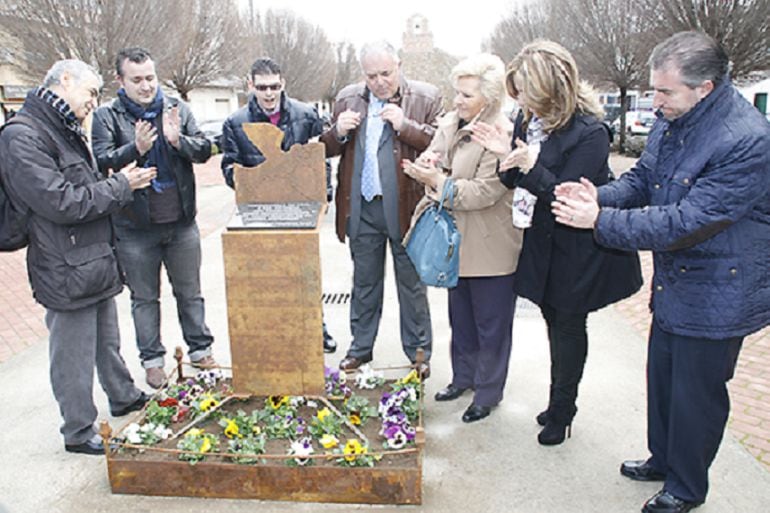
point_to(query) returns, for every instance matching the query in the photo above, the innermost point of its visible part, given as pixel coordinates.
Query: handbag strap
(448, 186)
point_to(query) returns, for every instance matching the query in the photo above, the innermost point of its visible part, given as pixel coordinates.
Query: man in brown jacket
(375, 125)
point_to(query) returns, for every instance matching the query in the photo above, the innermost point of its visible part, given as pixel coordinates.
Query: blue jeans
(178, 247)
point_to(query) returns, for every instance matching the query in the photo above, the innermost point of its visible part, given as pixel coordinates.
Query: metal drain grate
(337, 298)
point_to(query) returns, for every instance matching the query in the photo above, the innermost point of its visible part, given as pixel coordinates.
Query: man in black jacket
(48, 172)
(268, 103)
(144, 125)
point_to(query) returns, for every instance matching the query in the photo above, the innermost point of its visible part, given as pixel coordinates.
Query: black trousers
(568, 341)
(687, 406)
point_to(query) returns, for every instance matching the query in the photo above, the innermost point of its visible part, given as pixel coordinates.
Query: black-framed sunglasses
(265, 87)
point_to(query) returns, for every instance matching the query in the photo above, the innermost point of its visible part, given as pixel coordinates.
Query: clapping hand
(144, 136)
(171, 126)
(138, 177)
(493, 137)
(520, 157)
(576, 204)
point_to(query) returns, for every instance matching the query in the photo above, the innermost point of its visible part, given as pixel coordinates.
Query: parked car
(638, 122)
(213, 131)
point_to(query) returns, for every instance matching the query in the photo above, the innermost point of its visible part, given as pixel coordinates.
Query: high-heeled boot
(554, 432)
(543, 416)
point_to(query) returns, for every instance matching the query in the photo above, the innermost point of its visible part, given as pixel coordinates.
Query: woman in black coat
(561, 269)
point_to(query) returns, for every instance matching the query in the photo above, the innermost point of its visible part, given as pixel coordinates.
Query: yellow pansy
(322, 414)
(206, 445)
(328, 441)
(231, 430)
(355, 419)
(276, 401)
(352, 449)
(207, 403)
(412, 377)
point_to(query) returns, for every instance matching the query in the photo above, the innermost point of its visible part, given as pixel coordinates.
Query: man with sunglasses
(268, 103)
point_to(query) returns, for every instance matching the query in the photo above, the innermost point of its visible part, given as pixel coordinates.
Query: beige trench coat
(490, 244)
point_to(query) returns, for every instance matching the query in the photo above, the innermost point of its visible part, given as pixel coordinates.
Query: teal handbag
(434, 244)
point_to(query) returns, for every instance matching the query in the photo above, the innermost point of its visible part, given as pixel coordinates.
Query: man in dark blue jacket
(268, 103)
(699, 198)
(48, 172)
(158, 227)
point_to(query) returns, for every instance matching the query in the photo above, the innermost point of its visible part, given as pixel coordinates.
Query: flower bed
(362, 442)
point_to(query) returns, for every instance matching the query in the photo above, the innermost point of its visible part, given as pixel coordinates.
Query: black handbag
(434, 244)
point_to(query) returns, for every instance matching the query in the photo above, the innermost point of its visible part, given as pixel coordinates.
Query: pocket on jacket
(93, 269)
(709, 291)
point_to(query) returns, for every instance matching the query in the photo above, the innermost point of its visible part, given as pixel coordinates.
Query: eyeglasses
(265, 87)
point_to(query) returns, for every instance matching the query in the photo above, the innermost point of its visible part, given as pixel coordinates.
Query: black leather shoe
(352, 363)
(92, 447)
(330, 345)
(664, 502)
(476, 412)
(135, 406)
(542, 418)
(449, 393)
(641, 470)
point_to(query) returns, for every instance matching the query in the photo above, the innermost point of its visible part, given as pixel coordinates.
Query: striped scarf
(63, 109)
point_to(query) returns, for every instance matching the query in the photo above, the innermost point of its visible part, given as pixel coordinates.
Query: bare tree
(302, 49)
(523, 25)
(611, 41)
(90, 30)
(207, 44)
(742, 27)
(346, 71)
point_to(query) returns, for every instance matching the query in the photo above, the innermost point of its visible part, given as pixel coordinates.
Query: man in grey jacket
(159, 226)
(48, 172)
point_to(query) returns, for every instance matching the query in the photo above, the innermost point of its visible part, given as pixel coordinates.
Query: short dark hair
(696, 55)
(265, 66)
(135, 54)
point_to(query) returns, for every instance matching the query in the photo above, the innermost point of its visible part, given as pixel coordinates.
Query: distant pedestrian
(699, 198)
(158, 227)
(48, 171)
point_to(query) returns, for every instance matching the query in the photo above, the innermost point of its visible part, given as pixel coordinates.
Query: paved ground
(493, 466)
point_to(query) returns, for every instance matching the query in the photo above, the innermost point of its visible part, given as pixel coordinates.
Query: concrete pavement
(493, 465)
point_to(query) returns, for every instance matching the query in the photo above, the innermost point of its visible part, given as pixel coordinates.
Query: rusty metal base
(376, 485)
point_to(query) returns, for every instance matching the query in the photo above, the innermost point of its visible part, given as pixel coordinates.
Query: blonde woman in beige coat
(481, 306)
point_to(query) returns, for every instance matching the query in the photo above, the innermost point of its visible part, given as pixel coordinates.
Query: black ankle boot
(542, 417)
(553, 433)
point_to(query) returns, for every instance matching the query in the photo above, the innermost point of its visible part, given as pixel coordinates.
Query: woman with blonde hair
(558, 137)
(481, 306)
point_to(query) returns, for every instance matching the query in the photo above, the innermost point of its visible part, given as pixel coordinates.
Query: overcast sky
(458, 28)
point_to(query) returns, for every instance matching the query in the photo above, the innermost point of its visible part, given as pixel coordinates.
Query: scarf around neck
(158, 154)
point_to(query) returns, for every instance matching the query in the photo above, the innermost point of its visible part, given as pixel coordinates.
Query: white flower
(367, 377)
(312, 404)
(343, 377)
(297, 401)
(301, 449)
(132, 433)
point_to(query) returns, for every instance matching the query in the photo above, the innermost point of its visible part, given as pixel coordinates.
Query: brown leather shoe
(155, 376)
(207, 362)
(424, 370)
(352, 363)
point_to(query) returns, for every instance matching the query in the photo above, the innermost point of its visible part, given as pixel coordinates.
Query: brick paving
(21, 321)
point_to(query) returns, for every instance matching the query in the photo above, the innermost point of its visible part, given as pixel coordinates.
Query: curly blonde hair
(549, 77)
(490, 71)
